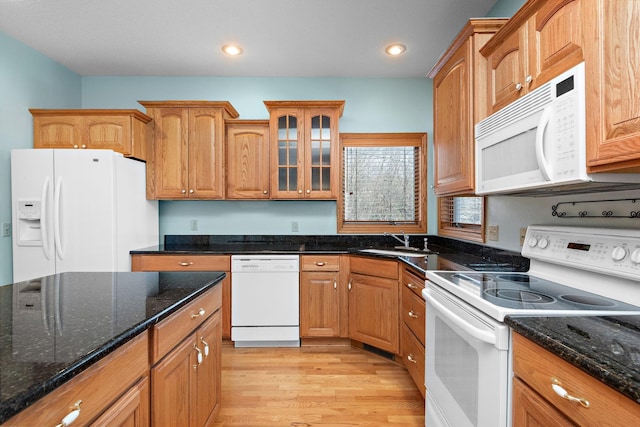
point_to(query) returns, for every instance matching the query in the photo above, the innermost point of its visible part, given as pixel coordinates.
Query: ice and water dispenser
(29, 231)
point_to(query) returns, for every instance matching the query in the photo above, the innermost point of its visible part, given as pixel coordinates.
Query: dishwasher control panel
(265, 263)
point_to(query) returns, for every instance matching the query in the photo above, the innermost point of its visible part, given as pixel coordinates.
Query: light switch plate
(6, 229)
(523, 233)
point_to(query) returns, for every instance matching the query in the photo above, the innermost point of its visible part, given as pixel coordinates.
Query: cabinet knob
(191, 191)
(299, 191)
(75, 145)
(265, 192)
(349, 285)
(518, 87)
(84, 146)
(71, 416)
(529, 79)
(411, 286)
(184, 191)
(185, 263)
(411, 359)
(412, 315)
(335, 285)
(320, 263)
(308, 191)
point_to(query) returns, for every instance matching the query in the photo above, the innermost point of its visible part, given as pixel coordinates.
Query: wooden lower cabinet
(535, 403)
(373, 302)
(186, 382)
(412, 318)
(323, 312)
(190, 262)
(112, 392)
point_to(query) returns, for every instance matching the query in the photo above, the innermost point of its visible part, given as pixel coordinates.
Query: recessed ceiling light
(395, 49)
(232, 50)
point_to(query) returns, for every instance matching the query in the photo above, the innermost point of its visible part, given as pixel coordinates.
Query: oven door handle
(477, 333)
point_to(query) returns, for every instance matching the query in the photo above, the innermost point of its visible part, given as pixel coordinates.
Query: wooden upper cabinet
(187, 159)
(459, 101)
(304, 149)
(613, 92)
(124, 131)
(247, 154)
(542, 40)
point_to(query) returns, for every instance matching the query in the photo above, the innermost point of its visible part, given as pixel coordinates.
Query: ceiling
(280, 38)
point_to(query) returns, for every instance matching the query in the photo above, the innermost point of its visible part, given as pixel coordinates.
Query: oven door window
(467, 376)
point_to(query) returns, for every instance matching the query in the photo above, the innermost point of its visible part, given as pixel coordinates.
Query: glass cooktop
(500, 294)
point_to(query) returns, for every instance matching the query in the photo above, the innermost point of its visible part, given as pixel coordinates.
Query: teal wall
(371, 105)
(27, 80)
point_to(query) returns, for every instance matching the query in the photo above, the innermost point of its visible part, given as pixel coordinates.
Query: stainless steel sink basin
(395, 252)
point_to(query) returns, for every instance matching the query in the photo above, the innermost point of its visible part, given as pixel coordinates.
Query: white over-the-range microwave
(537, 144)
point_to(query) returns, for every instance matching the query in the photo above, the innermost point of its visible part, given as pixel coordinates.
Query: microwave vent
(515, 111)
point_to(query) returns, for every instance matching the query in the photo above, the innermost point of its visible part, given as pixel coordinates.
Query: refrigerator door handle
(57, 219)
(43, 218)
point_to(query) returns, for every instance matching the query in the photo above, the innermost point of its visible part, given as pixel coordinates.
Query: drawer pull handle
(411, 359)
(200, 312)
(349, 285)
(71, 416)
(320, 264)
(560, 391)
(199, 355)
(412, 314)
(185, 263)
(335, 285)
(206, 347)
(411, 286)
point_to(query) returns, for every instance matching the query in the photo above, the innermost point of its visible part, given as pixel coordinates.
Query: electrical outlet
(6, 229)
(294, 226)
(523, 233)
(492, 232)
(194, 225)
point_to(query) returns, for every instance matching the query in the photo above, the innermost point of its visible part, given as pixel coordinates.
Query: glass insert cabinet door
(305, 164)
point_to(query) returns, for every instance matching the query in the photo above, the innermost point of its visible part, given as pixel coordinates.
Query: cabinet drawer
(180, 262)
(413, 356)
(96, 387)
(374, 267)
(413, 311)
(538, 368)
(320, 263)
(170, 331)
(412, 281)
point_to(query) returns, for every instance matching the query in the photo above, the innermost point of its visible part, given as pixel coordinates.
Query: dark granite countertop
(607, 348)
(53, 328)
(468, 256)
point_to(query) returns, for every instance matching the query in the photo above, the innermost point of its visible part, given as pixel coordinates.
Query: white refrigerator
(78, 210)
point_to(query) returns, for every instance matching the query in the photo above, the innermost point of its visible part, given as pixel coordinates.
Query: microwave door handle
(542, 126)
(477, 333)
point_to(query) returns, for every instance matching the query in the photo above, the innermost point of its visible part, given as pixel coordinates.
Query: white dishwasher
(265, 300)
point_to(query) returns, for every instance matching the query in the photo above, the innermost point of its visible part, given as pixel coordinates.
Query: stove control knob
(533, 242)
(635, 257)
(543, 243)
(618, 253)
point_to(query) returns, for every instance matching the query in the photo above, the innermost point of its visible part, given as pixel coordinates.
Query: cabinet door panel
(56, 132)
(555, 40)
(530, 410)
(171, 161)
(287, 157)
(131, 410)
(247, 165)
(208, 386)
(319, 304)
(107, 132)
(206, 172)
(171, 386)
(373, 311)
(507, 64)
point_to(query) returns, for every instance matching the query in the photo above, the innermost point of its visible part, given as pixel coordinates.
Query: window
(461, 217)
(383, 183)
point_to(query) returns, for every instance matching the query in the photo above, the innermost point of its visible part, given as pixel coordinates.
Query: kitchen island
(65, 328)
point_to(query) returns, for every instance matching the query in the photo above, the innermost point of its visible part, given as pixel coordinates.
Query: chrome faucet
(404, 240)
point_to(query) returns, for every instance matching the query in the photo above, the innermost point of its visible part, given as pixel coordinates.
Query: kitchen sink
(410, 252)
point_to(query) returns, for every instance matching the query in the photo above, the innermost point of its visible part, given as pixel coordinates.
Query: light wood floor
(315, 386)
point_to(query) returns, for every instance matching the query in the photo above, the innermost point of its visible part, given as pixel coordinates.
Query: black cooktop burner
(520, 295)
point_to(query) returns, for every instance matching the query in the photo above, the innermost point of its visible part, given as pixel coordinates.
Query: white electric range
(573, 271)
